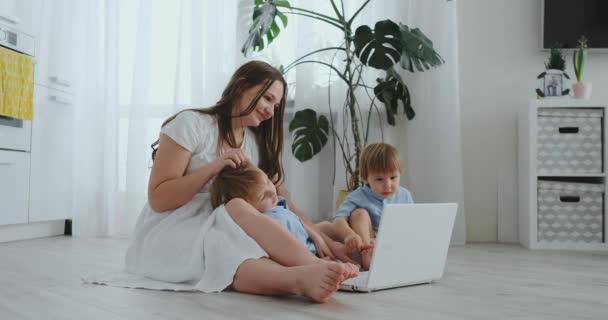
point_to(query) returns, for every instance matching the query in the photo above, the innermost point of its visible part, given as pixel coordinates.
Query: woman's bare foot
(351, 270)
(319, 281)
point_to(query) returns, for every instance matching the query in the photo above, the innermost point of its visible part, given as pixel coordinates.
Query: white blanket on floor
(124, 279)
(192, 248)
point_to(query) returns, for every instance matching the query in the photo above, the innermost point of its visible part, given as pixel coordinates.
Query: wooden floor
(40, 279)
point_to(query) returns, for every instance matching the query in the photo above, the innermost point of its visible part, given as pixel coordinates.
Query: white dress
(194, 243)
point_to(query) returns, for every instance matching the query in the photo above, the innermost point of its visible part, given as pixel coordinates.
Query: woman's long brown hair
(269, 134)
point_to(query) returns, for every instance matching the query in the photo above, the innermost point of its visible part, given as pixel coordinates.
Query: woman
(179, 237)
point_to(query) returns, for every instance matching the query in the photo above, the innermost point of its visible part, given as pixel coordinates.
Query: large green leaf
(264, 23)
(389, 91)
(310, 134)
(417, 50)
(380, 48)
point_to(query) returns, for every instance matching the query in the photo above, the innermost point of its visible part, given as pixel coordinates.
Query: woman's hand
(232, 157)
(322, 249)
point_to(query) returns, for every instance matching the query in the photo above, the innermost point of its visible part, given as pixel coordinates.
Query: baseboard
(25, 231)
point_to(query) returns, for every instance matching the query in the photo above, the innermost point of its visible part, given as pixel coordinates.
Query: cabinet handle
(10, 19)
(568, 130)
(61, 100)
(5, 163)
(570, 198)
(60, 81)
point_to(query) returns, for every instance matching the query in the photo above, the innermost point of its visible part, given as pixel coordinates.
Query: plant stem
(311, 53)
(331, 117)
(314, 13)
(350, 21)
(358, 72)
(362, 85)
(344, 155)
(333, 4)
(319, 62)
(369, 114)
(351, 102)
(317, 18)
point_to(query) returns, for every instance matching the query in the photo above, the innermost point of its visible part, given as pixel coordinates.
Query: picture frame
(553, 83)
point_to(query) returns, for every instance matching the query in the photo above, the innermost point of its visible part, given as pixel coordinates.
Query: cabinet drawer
(570, 212)
(569, 140)
(14, 186)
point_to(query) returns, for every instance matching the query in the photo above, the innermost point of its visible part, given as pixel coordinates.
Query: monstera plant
(385, 47)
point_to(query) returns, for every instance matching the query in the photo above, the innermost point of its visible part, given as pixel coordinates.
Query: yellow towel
(16, 85)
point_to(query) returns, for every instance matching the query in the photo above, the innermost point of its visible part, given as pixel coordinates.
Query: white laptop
(411, 247)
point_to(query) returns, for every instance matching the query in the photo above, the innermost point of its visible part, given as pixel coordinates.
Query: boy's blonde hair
(233, 183)
(379, 158)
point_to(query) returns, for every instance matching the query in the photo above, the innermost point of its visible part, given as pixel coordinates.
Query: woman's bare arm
(168, 187)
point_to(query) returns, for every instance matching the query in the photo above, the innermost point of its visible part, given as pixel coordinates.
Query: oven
(15, 134)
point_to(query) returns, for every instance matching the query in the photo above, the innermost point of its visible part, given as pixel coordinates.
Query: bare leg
(328, 229)
(361, 223)
(366, 258)
(266, 277)
(280, 245)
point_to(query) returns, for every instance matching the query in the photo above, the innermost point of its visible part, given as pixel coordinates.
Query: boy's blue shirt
(364, 197)
(281, 214)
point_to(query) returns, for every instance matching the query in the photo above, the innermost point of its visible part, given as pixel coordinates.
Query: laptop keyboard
(359, 281)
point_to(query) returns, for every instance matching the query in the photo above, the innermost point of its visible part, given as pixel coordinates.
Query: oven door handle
(60, 81)
(60, 99)
(10, 19)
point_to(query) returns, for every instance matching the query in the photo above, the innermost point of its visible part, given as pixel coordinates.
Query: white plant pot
(582, 90)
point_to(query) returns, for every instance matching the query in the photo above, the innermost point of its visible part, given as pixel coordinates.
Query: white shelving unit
(528, 175)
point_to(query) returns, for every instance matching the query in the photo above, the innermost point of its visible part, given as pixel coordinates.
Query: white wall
(309, 183)
(500, 58)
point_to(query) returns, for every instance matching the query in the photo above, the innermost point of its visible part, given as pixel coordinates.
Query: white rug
(124, 279)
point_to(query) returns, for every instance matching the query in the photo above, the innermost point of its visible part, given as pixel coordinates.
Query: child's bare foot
(319, 281)
(352, 270)
(366, 258)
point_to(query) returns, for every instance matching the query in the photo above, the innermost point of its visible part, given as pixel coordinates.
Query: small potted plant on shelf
(553, 78)
(581, 90)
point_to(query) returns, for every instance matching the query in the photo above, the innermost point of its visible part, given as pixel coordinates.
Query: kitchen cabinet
(14, 185)
(56, 34)
(18, 14)
(52, 158)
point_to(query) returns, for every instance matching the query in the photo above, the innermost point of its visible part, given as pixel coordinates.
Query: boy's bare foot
(319, 281)
(353, 243)
(366, 258)
(352, 270)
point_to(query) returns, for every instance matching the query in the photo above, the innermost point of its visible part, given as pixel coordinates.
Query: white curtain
(147, 59)
(432, 141)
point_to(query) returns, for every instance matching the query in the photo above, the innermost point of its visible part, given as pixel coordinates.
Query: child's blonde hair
(379, 158)
(233, 183)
